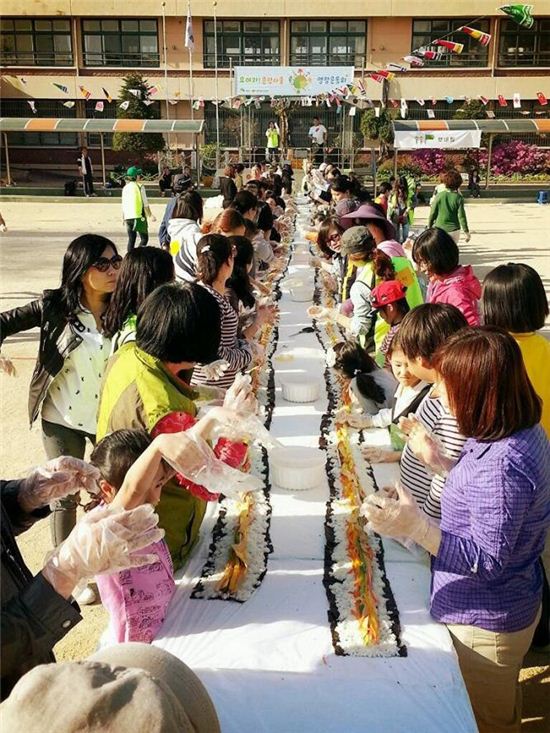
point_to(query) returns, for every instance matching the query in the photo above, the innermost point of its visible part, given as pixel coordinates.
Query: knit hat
(387, 292)
(353, 240)
(133, 172)
(128, 688)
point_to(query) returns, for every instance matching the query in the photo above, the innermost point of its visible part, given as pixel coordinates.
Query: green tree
(378, 128)
(473, 109)
(136, 109)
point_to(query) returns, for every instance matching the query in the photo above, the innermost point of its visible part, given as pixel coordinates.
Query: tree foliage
(377, 128)
(473, 109)
(136, 142)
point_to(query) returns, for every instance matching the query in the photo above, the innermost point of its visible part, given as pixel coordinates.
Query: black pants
(61, 440)
(132, 235)
(317, 153)
(88, 184)
(272, 154)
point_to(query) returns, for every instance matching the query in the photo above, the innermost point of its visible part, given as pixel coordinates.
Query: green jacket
(137, 392)
(447, 212)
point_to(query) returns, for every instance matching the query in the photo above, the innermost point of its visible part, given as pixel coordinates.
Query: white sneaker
(86, 596)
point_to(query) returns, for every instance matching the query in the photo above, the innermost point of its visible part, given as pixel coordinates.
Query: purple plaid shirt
(495, 511)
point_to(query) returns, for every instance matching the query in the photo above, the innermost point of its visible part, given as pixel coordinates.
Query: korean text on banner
(458, 139)
(290, 81)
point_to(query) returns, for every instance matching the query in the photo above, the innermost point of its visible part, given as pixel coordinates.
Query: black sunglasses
(103, 263)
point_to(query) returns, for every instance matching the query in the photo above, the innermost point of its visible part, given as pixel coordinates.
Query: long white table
(269, 663)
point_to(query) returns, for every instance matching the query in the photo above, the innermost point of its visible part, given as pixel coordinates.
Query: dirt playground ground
(30, 261)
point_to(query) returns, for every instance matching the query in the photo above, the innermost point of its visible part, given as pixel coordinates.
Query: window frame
(241, 58)
(45, 108)
(454, 61)
(104, 57)
(510, 29)
(30, 58)
(328, 57)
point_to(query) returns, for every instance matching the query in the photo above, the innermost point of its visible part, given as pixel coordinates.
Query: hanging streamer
(502, 101)
(124, 105)
(542, 99)
(153, 90)
(449, 100)
(106, 93)
(148, 102)
(450, 45)
(85, 92)
(522, 14)
(414, 61)
(490, 114)
(431, 114)
(32, 105)
(61, 87)
(404, 108)
(517, 100)
(481, 36)
(396, 67)
(69, 104)
(98, 107)
(428, 53)
(421, 102)
(483, 100)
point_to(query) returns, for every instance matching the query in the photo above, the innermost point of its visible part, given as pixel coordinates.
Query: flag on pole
(99, 106)
(189, 37)
(481, 36)
(542, 99)
(61, 87)
(32, 105)
(450, 45)
(522, 14)
(517, 100)
(106, 93)
(502, 101)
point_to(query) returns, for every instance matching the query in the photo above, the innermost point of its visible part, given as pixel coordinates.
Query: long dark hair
(143, 269)
(81, 254)
(239, 281)
(212, 251)
(189, 205)
(354, 363)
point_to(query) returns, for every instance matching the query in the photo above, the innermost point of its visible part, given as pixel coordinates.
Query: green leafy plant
(136, 109)
(378, 128)
(473, 109)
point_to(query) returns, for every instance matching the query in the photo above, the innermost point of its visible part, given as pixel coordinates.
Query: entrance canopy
(62, 124)
(500, 126)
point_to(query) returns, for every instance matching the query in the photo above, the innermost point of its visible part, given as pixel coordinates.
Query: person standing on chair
(318, 136)
(86, 171)
(135, 208)
(273, 135)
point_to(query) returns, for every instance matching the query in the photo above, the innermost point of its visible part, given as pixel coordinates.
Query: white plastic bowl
(297, 468)
(301, 294)
(300, 389)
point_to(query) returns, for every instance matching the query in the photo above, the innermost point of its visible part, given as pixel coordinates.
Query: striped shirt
(426, 486)
(235, 351)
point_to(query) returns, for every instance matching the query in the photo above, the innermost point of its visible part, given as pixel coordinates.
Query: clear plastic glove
(358, 420)
(267, 313)
(215, 370)
(379, 455)
(210, 394)
(7, 366)
(400, 516)
(249, 429)
(427, 447)
(320, 313)
(103, 541)
(208, 471)
(467, 236)
(240, 398)
(58, 478)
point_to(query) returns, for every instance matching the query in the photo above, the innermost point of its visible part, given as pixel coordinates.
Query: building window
(132, 42)
(328, 43)
(425, 32)
(44, 108)
(44, 42)
(525, 46)
(242, 43)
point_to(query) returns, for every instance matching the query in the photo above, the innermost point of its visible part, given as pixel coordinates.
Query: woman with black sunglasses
(71, 360)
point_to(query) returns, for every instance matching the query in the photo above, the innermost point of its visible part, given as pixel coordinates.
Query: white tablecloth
(269, 664)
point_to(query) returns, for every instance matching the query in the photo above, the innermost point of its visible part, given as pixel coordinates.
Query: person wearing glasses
(72, 355)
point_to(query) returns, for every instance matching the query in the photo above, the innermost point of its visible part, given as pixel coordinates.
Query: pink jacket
(461, 288)
(137, 599)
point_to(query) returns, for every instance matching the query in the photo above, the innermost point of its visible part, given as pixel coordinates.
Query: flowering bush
(516, 156)
(430, 161)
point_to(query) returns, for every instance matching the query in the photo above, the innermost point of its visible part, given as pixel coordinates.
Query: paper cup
(297, 468)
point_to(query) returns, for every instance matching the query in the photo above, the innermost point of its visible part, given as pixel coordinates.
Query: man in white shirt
(318, 134)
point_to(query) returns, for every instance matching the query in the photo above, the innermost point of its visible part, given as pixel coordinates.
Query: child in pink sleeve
(136, 599)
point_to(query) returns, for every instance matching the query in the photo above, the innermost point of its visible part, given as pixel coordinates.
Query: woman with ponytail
(370, 387)
(216, 259)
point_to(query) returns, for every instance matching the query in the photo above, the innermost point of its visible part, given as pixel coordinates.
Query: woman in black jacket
(65, 384)
(228, 187)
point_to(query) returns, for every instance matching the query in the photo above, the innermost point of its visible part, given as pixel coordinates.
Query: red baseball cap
(387, 292)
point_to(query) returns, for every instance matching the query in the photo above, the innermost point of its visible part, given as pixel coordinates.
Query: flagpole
(214, 5)
(165, 52)
(190, 66)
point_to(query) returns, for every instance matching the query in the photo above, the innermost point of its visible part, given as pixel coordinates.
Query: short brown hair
(426, 328)
(452, 179)
(487, 385)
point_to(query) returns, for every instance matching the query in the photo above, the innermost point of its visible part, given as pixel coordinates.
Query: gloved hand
(58, 478)
(320, 313)
(7, 366)
(249, 429)
(240, 398)
(215, 370)
(208, 471)
(426, 446)
(378, 455)
(400, 517)
(467, 236)
(209, 394)
(357, 420)
(103, 541)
